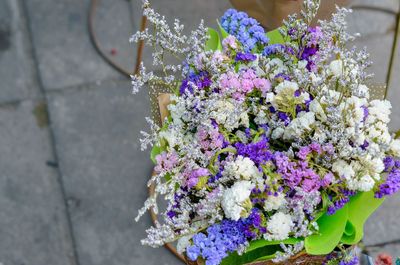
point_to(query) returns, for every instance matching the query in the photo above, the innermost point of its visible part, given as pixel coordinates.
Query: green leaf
(361, 206)
(397, 135)
(202, 182)
(262, 243)
(224, 34)
(331, 228)
(258, 250)
(267, 252)
(275, 37)
(349, 230)
(156, 150)
(213, 43)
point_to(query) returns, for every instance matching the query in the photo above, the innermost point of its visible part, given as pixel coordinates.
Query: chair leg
(139, 53)
(393, 54)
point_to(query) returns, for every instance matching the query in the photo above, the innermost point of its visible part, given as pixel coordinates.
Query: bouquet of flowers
(272, 146)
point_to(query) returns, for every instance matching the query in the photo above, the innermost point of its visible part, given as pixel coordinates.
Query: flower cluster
(247, 30)
(263, 139)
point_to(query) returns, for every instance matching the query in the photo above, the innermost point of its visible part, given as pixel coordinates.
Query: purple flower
(389, 162)
(366, 112)
(364, 145)
(350, 261)
(257, 152)
(327, 180)
(392, 182)
(200, 80)
(195, 175)
(284, 117)
(245, 57)
(303, 152)
(341, 202)
(274, 49)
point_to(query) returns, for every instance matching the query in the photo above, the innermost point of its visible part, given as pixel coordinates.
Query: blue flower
(193, 252)
(247, 30)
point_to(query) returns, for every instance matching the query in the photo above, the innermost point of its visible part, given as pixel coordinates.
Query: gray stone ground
(71, 172)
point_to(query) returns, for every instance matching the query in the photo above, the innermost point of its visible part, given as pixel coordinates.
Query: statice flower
(352, 260)
(220, 240)
(195, 80)
(245, 57)
(235, 199)
(247, 30)
(340, 202)
(257, 152)
(392, 183)
(166, 161)
(279, 226)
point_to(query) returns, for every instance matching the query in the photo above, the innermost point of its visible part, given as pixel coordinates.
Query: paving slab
(113, 26)
(104, 171)
(32, 213)
(360, 22)
(66, 57)
(384, 224)
(16, 64)
(387, 4)
(394, 91)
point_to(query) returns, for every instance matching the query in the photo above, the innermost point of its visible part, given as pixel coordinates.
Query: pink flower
(234, 82)
(247, 85)
(195, 175)
(229, 42)
(166, 162)
(263, 84)
(384, 259)
(249, 74)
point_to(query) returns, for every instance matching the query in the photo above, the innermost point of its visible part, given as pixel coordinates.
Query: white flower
(279, 226)
(316, 107)
(299, 125)
(277, 133)
(244, 119)
(286, 87)
(302, 64)
(379, 110)
(336, 68)
(366, 183)
(242, 167)
(275, 67)
(183, 243)
(353, 110)
(363, 91)
(343, 169)
(274, 202)
(234, 197)
(315, 79)
(395, 147)
(270, 97)
(170, 137)
(228, 113)
(224, 108)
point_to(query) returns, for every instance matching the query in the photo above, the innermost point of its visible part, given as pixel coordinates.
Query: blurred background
(72, 175)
